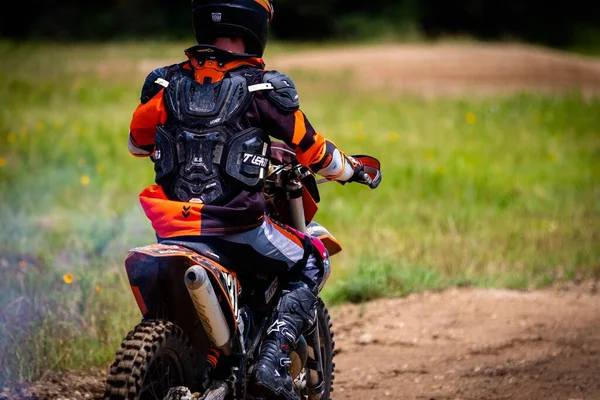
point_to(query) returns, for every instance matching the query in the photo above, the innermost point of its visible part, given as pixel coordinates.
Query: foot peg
(181, 393)
(218, 391)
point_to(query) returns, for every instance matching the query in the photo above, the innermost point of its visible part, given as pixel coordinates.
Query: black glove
(367, 170)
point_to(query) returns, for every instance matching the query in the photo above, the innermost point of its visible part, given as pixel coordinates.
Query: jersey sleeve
(142, 128)
(149, 113)
(319, 154)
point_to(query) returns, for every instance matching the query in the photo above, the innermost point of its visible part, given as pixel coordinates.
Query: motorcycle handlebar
(371, 175)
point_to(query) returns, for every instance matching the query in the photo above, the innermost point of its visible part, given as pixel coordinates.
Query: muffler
(208, 308)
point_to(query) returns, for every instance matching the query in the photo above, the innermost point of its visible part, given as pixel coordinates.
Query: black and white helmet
(249, 19)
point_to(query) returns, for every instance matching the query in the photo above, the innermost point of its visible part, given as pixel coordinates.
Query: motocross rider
(205, 123)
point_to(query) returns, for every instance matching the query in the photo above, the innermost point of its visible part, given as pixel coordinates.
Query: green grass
(495, 191)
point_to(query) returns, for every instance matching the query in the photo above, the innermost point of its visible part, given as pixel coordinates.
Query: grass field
(497, 191)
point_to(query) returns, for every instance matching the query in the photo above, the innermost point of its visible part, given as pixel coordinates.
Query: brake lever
(325, 180)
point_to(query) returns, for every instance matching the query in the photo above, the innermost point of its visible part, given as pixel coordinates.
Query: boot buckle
(285, 362)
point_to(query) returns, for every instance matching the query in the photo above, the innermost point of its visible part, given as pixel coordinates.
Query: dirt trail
(472, 344)
(453, 69)
(468, 344)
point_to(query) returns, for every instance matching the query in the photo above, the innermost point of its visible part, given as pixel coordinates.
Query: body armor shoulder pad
(157, 80)
(283, 95)
(250, 73)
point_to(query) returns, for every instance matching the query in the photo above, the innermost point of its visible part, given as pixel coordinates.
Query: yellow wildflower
(85, 180)
(11, 138)
(441, 171)
(2, 162)
(470, 118)
(40, 126)
(392, 137)
(68, 278)
(98, 289)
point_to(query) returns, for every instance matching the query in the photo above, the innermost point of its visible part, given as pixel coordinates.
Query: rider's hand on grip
(367, 170)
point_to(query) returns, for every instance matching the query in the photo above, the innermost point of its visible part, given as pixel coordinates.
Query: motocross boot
(295, 313)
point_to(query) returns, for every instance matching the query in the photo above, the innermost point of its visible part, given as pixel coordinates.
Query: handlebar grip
(371, 182)
(371, 170)
(366, 179)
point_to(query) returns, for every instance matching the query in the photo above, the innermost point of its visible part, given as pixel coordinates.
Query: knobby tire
(153, 357)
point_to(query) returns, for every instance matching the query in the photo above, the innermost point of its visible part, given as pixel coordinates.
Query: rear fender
(156, 274)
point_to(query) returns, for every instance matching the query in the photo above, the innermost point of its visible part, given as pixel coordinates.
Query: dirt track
(453, 69)
(468, 344)
(472, 344)
(463, 343)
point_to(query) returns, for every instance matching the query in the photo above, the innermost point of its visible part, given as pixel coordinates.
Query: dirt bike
(196, 307)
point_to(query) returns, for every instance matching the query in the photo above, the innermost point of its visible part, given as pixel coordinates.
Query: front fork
(314, 375)
(294, 190)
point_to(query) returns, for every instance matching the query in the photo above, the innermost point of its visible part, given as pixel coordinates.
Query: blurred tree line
(541, 21)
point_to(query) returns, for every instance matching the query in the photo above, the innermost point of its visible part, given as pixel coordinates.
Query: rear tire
(153, 357)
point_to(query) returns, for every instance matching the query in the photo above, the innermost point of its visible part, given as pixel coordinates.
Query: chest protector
(204, 153)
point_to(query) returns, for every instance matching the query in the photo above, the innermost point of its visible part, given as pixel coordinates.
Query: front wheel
(153, 357)
(321, 339)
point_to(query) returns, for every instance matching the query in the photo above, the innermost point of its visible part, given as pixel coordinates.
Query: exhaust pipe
(208, 308)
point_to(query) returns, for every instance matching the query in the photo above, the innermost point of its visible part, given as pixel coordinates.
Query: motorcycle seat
(202, 249)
